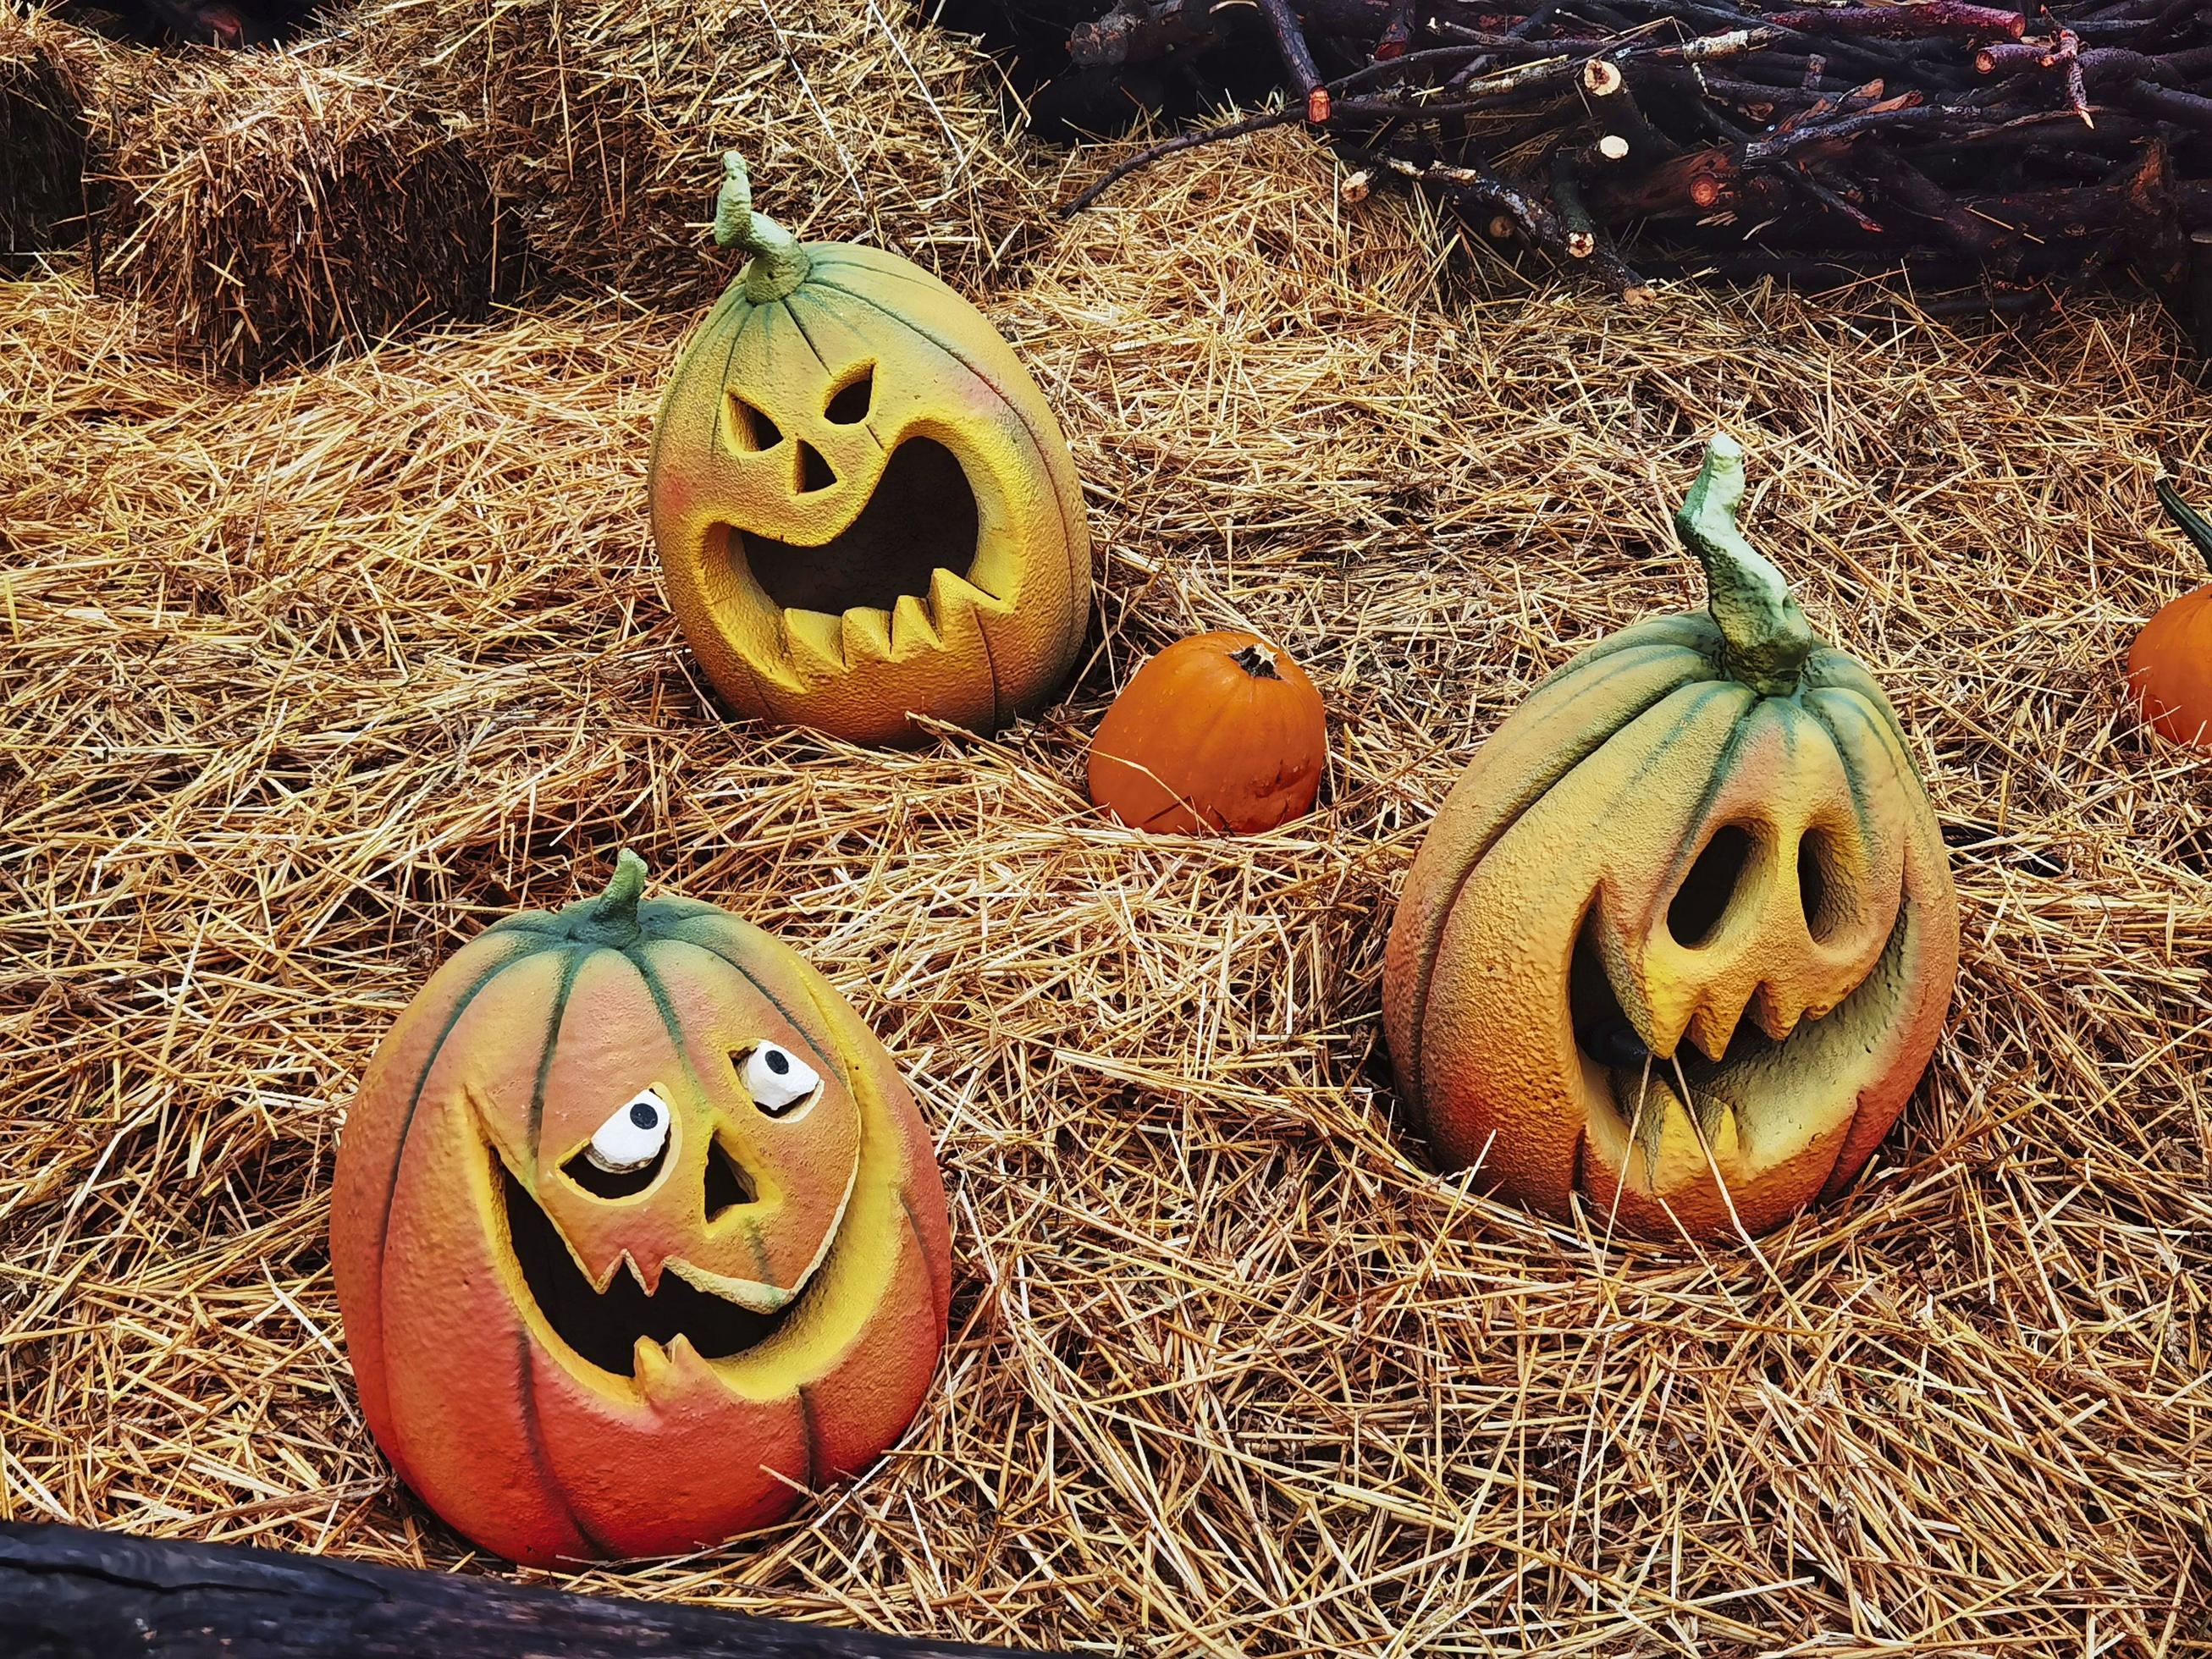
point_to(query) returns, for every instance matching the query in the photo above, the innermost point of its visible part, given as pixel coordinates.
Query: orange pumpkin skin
(1220, 732)
(2170, 665)
(824, 1289)
(2170, 668)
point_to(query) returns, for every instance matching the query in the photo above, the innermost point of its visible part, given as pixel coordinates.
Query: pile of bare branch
(1962, 142)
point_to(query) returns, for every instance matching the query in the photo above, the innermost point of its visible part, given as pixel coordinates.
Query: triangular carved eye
(746, 428)
(849, 404)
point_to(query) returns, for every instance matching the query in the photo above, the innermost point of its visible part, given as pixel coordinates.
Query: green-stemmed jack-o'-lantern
(1681, 938)
(637, 1233)
(863, 505)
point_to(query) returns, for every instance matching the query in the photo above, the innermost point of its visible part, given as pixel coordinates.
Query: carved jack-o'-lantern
(863, 505)
(637, 1233)
(1681, 938)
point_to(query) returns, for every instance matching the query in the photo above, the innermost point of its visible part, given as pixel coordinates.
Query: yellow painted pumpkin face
(1680, 940)
(863, 505)
(637, 1232)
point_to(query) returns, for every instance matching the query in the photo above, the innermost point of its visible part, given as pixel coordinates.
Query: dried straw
(309, 684)
(606, 121)
(45, 137)
(280, 207)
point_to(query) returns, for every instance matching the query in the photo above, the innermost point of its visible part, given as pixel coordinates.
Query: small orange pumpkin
(1221, 731)
(2170, 667)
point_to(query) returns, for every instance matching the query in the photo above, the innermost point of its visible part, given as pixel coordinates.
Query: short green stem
(779, 264)
(1765, 637)
(2192, 522)
(612, 918)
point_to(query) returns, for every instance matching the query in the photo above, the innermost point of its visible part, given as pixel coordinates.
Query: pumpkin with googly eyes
(863, 506)
(638, 1235)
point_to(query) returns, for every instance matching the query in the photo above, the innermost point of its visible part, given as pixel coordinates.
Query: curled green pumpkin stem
(1765, 637)
(779, 264)
(613, 917)
(2190, 521)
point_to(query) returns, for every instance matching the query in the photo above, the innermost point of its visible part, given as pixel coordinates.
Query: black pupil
(643, 1115)
(776, 1060)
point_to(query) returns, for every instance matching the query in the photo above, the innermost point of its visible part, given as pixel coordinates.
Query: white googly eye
(634, 1136)
(776, 1079)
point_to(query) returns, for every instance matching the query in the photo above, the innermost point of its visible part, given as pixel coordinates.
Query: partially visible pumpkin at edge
(1220, 732)
(2170, 665)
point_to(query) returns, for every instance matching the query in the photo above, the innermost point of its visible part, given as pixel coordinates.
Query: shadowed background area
(306, 683)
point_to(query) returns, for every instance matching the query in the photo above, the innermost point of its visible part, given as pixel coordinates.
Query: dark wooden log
(1906, 22)
(67, 1593)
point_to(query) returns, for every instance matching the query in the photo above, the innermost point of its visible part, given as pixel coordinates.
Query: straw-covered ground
(304, 684)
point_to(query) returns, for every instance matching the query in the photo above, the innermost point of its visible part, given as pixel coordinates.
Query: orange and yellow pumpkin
(1218, 732)
(2170, 665)
(637, 1233)
(864, 507)
(1679, 942)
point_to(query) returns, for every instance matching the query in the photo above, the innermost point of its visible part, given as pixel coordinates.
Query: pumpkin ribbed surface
(564, 1373)
(1672, 944)
(863, 505)
(1221, 731)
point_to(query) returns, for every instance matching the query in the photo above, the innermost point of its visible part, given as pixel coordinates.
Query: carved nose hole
(727, 1186)
(849, 404)
(748, 428)
(1818, 889)
(1703, 898)
(814, 472)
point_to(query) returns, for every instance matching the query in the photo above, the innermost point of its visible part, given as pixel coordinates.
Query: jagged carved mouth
(1642, 1082)
(920, 518)
(604, 1326)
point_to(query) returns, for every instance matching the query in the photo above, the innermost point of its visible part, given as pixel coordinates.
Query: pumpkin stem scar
(2192, 522)
(1765, 638)
(613, 920)
(778, 264)
(1254, 660)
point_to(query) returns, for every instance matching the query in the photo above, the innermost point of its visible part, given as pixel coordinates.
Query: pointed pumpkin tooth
(686, 1363)
(648, 1362)
(1775, 1015)
(947, 591)
(649, 1282)
(1711, 1030)
(866, 633)
(815, 641)
(913, 629)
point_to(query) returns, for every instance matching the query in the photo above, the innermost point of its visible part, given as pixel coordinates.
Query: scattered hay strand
(1231, 1369)
(44, 140)
(606, 121)
(278, 208)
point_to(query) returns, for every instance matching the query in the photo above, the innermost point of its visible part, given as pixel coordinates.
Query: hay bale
(278, 208)
(604, 120)
(45, 139)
